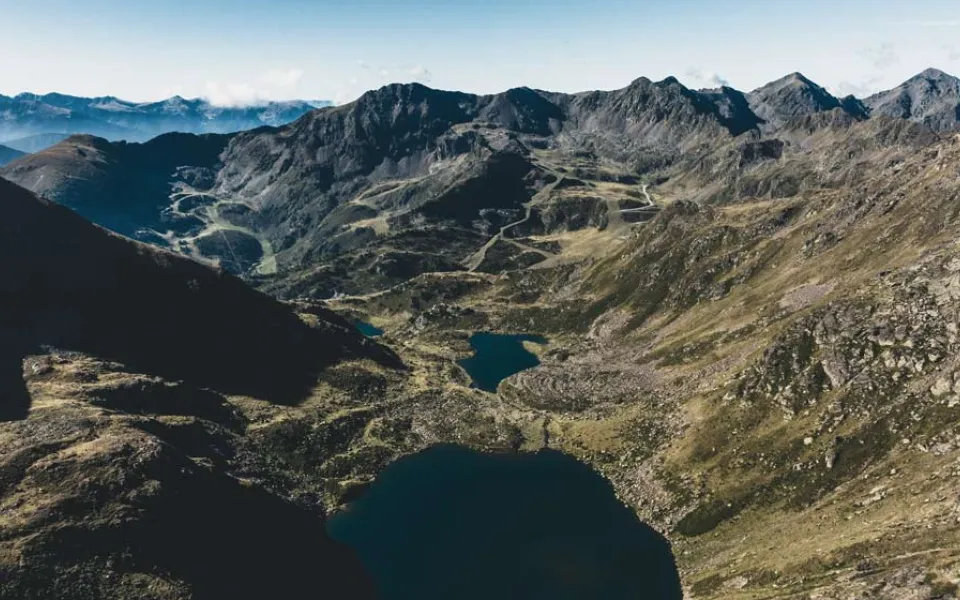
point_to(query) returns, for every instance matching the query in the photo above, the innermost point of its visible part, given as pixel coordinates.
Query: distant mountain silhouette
(36, 143)
(8, 154)
(30, 115)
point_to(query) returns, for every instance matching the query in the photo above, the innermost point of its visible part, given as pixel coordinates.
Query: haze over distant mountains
(8, 154)
(32, 122)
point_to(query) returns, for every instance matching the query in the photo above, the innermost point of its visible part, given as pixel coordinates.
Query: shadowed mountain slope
(121, 186)
(69, 284)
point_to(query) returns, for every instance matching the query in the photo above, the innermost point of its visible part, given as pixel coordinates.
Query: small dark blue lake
(368, 329)
(498, 356)
(450, 523)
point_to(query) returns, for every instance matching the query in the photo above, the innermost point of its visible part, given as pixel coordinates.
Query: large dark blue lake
(450, 523)
(498, 356)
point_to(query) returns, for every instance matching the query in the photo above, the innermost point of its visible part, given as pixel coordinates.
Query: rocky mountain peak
(640, 82)
(797, 78)
(931, 97)
(399, 110)
(790, 97)
(521, 109)
(934, 74)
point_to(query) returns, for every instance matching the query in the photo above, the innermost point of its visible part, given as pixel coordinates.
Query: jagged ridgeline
(408, 180)
(748, 307)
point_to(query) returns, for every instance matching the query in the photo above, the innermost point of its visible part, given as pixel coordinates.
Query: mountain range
(749, 303)
(31, 122)
(342, 195)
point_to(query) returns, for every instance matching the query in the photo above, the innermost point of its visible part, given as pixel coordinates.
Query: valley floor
(695, 418)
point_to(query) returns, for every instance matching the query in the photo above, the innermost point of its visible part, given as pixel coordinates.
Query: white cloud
(421, 74)
(860, 89)
(699, 78)
(271, 85)
(233, 94)
(881, 58)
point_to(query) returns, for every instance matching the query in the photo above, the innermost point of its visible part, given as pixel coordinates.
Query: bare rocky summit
(789, 98)
(931, 98)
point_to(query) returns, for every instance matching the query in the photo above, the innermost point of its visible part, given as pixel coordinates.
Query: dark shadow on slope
(453, 523)
(69, 284)
(243, 543)
(14, 397)
(118, 185)
(500, 184)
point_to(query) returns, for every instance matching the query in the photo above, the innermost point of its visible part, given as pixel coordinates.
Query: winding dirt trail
(651, 207)
(478, 257)
(214, 223)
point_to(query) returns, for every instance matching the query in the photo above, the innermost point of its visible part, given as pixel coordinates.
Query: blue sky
(239, 51)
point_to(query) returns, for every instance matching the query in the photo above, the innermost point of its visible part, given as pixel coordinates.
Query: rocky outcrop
(102, 504)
